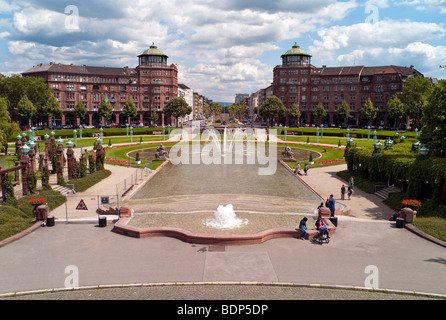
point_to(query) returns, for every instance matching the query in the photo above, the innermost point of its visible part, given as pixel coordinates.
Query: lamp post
(416, 145)
(423, 150)
(80, 132)
(131, 134)
(389, 143)
(25, 149)
(317, 134)
(70, 144)
(378, 146)
(285, 133)
(75, 138)
(163, 133)
(127, 129)
(368, 132)
(416, 133)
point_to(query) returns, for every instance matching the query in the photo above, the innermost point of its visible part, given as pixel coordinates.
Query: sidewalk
(363, 205)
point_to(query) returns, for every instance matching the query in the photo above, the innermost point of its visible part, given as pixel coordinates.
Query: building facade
(299, 82)
(150, 85)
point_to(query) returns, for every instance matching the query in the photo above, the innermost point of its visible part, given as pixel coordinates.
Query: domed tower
(153, 57)
(156, 85)
(296, 57)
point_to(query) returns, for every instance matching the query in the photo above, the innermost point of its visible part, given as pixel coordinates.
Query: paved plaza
(399, 259)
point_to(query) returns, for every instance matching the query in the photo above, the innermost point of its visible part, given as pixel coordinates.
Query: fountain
(225, 218)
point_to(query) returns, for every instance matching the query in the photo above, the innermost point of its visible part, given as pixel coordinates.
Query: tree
(15, 87)
(344, 112)
(105, 110)
(434, 120)
(154, 117)
(7, 127)
(52, 108)
(80, 111)
(272, 108)
(319, 113)
(216, 110)
(415, 94)
(129, 109)
(177, 107)
(25, 109)
(368, 111)
(397, 108)
(294, 113)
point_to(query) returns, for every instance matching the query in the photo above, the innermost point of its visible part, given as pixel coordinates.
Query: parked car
(85, 126)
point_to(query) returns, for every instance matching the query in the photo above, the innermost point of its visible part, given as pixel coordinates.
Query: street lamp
(25, 149)
(423, 150)
(416, 145)
(416, 133)
(75, 137)
(389, 143)
(69, 144)
(368, 132)
(378, 146)
(317, 134)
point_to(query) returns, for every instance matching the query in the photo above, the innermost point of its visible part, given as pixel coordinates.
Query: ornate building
(151, 85)
(298, 81)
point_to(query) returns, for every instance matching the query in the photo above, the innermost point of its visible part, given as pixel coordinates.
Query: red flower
(36, 201)
(411, 202)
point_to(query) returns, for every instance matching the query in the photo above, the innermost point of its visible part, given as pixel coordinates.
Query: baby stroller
(322, 236)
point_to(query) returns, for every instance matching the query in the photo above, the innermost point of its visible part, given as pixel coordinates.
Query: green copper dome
(296, 50)
(153, 51)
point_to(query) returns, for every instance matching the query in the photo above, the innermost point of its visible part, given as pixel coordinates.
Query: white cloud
(370, 37)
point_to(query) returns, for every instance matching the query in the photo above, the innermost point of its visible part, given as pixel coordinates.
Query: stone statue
(288, 155)
(161, 154)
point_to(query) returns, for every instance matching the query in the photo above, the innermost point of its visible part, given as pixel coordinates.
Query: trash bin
(334, 220)
(102, 222)
(400, 222)
(50, 221)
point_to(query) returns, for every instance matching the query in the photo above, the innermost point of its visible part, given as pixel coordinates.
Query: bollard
(50, 221)
(400, 222)
(102, 222)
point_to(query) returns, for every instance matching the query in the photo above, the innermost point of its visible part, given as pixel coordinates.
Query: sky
(223, 47)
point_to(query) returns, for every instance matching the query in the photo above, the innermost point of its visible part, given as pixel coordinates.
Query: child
(303, 227)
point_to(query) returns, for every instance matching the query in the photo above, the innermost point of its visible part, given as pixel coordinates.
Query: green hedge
(83, 184)
(422, 177)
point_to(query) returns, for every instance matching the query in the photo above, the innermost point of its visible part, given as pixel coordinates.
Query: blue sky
(224, 47)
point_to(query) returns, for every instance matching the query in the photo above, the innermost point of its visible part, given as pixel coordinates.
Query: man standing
(331, 205)
(342, 192)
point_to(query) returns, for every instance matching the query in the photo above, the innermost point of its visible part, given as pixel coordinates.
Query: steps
(63, 190)
(385, 192)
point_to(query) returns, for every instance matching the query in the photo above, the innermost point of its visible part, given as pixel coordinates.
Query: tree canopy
(434, 120)
(272, 108)
(177, 107)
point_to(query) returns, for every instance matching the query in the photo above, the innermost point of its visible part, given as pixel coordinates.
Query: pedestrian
(331, 205)
(320, 206)
(306, 169)
(342, 192)
(349, 192)
(351, 182)
(303, 227)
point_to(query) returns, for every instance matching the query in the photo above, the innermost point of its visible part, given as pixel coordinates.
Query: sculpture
(288, 155)
(161, 154)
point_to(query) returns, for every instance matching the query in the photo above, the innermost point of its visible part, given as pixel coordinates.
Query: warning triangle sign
(81, 206)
